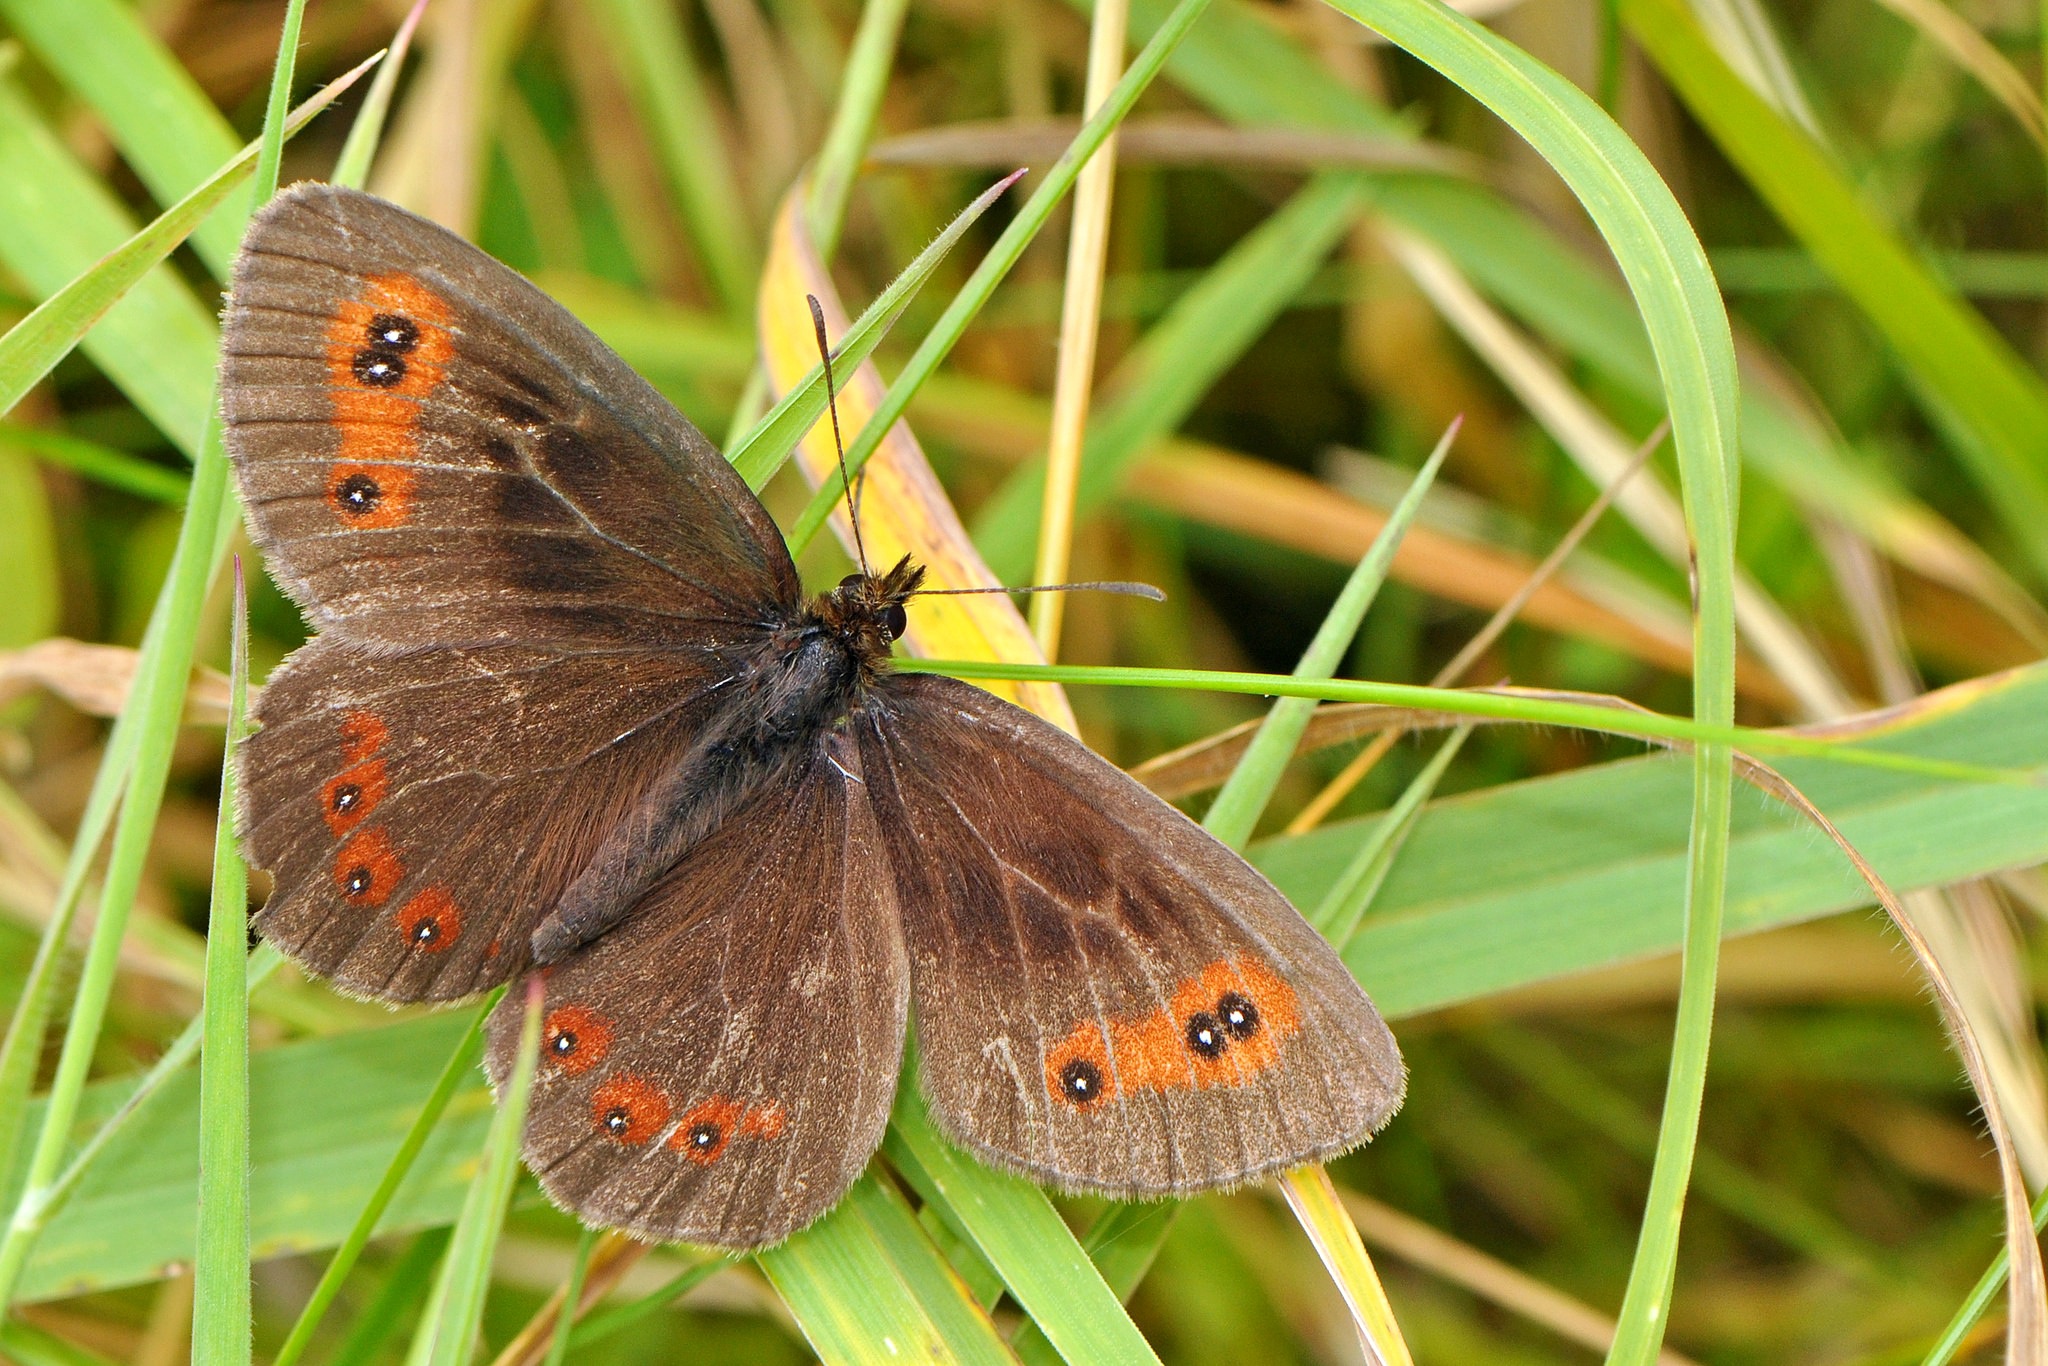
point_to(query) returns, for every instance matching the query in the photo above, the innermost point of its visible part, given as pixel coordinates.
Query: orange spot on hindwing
(387, 349)
(352, 794)
(706, 1128)
(430, 921)
(1223, 1026)
(575, 1039)
(362, 735)
(367, 868)
(628, 1108)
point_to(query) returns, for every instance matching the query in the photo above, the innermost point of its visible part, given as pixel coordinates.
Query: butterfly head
(867, 610)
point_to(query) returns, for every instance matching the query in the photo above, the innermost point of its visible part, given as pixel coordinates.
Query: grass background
(1319, 249)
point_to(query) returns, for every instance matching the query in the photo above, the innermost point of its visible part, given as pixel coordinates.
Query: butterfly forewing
(432, 451)
(1105, 996)
(720, 1067)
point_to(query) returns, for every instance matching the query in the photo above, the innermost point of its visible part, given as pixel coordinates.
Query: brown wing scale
(1106, 997)
(720, 1067)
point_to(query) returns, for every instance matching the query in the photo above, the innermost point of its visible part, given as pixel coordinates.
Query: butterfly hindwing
(719, 1068)
(432, 451)
(423, 812)
(1105, 996)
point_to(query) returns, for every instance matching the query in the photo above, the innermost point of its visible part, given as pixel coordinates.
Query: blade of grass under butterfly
(1237, 808)
(378, 1325)
(33, 346)
(221, 1294)
(457, 1071)
(762, 451)
(1314, 1202)
(157, 700)
(853, 121)
(926, 1271)
(165, 126)
(1001, 257)
(455, 1308)
(572, 1299)
(598, 1326)
(1180, 358)
(853, 1299)
(1023, 1237)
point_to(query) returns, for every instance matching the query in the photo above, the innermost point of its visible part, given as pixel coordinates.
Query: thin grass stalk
(158, 699)
(366, 132)
(1001, 257)
(1353, 773)
(1237, 808)
(460, 1060)
(221, 1325)
(1981, 1294)
(600, 1326)
(1080, 327)
(1344, 905)
(572, 1299)
(853, 121)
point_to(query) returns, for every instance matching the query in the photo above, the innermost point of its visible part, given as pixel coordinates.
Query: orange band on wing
(387, 349)
(1223, 1026)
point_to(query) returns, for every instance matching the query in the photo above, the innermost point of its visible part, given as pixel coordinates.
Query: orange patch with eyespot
(367, 868)
(362, 735)
(1223, 1026)
(387, 349)
(705, 1129)
(629, 1109)
(430, 921)
(352, 794)
(575, 1039)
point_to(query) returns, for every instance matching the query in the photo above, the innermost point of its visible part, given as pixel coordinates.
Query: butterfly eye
(851, 579)
(895, 620)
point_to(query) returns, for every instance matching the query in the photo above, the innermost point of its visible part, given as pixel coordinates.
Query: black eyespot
(1081, 1081)
(393, 332)
(616, 1121)
(895, 620)
(1240, 1017)
(704, 1136)
(359, 494)
(346, 796)
(851, 579)
(1205, 1034)
(378, 368)
(426, 932)
(563, 1044)
(358, 881)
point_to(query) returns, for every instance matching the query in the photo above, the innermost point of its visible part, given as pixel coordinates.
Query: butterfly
(568, 711)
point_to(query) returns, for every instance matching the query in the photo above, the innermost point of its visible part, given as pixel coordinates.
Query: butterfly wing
(1105, 996)
(423, 812)
(432, 451)
(719, 1068)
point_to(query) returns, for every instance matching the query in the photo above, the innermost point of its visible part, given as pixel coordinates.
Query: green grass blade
(1208, 330)
(1023, 1237)
(1981, 1294)
(603, 1323)
(366, 133)
(762, 450)
(33, 346)
(379, 1325)
(458, 1070)
(157, 700)
(159, 117)
(572, 1299)
(1001, 257)
(649, 45)
(853, 121)
(100, 464)
(1237, 808)
(1994, 407)
(1344, 905)
(855, 1293)
(221, 1295)
(954, 1310)
(455, 1309)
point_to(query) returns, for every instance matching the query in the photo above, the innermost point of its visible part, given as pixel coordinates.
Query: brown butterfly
(569, 710)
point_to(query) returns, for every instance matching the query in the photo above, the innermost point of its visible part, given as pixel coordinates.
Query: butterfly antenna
(1129, 590)
(846, 482)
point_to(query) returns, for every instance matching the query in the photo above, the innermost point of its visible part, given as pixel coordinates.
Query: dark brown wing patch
(431, 451)
(719, 1068)
(423, 812)
(1106, 997)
